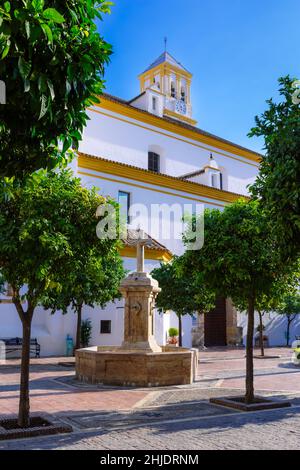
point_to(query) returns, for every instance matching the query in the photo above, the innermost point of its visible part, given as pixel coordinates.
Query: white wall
(148, 195)
(186, 328)
(51, 330)
(121, 141)
(276, 326)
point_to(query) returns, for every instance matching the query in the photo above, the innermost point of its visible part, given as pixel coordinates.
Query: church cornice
(173, 115)
(122, 107)
(165, 68)
(102, 165)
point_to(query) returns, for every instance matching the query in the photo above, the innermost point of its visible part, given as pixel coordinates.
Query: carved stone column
(198, 332)
(139, 291)
(178, 87)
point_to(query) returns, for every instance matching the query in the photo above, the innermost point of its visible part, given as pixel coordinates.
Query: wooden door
(215, 325)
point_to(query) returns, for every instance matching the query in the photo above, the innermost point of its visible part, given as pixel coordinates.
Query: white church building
(149, 154)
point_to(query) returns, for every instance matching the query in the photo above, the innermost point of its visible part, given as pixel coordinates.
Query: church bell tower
(167, 85)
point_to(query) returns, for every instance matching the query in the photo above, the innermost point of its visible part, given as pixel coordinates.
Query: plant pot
(173, 341)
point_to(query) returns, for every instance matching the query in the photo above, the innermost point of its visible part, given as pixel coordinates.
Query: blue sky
(236, 50)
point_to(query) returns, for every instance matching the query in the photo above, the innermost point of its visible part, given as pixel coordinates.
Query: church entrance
(215, 325)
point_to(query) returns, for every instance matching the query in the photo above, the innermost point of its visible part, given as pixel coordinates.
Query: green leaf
(6, 50)
(44, 106)
(76, 135)
(7, 7)
(53, 15)
(27, 28)
(67, 144)
(24, 67)
(47, 31)
(26, 85)
(20, 14)
(38, 4)
(51, 88)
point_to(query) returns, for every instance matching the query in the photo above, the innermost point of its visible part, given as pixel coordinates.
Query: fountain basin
(116, 366)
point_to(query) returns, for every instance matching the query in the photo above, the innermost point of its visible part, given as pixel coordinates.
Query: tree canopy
(239, 259)
(290, 304)
(44, 223)
(52, 62)
(290, 307)
(94, 281)
(180, 293)
(277, 185)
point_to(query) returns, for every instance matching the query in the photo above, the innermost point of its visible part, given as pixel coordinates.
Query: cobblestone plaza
(168, 418)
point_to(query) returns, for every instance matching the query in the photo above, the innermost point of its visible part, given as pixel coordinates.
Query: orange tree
(277, 186)
(93, 281)
(290, 307)
(47, 224)
(284, 287)
(52, 62)
(179, 292)
(240, 260)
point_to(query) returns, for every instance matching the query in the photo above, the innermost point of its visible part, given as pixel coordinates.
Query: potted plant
(173, 336)
(258, 336)
(296, 356)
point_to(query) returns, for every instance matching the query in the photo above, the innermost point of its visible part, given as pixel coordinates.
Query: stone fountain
(139, 361)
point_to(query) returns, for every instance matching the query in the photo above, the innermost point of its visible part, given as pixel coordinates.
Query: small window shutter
(153, 162)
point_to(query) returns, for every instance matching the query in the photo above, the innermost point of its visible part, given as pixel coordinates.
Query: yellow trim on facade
(151, 119)
(160, 191)
(188, 120)
(138, 174)
(158, 255)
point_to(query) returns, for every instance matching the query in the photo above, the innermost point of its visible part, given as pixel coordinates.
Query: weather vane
(166, 41)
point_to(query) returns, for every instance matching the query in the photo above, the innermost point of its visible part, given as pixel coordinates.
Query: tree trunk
(78, 331)
(261, 334)
(180, 330)
(24, 405)
(289, 322)
(26, 319)
(249, 397)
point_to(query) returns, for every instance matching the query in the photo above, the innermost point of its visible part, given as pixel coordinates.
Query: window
(124, 201)
(153, 162)
(173, 91)
(217, 180)
(105, 327)
(183, 95)
(153, 103)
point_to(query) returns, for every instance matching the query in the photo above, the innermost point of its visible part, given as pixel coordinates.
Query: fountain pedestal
(140, 361)
(139, 291)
